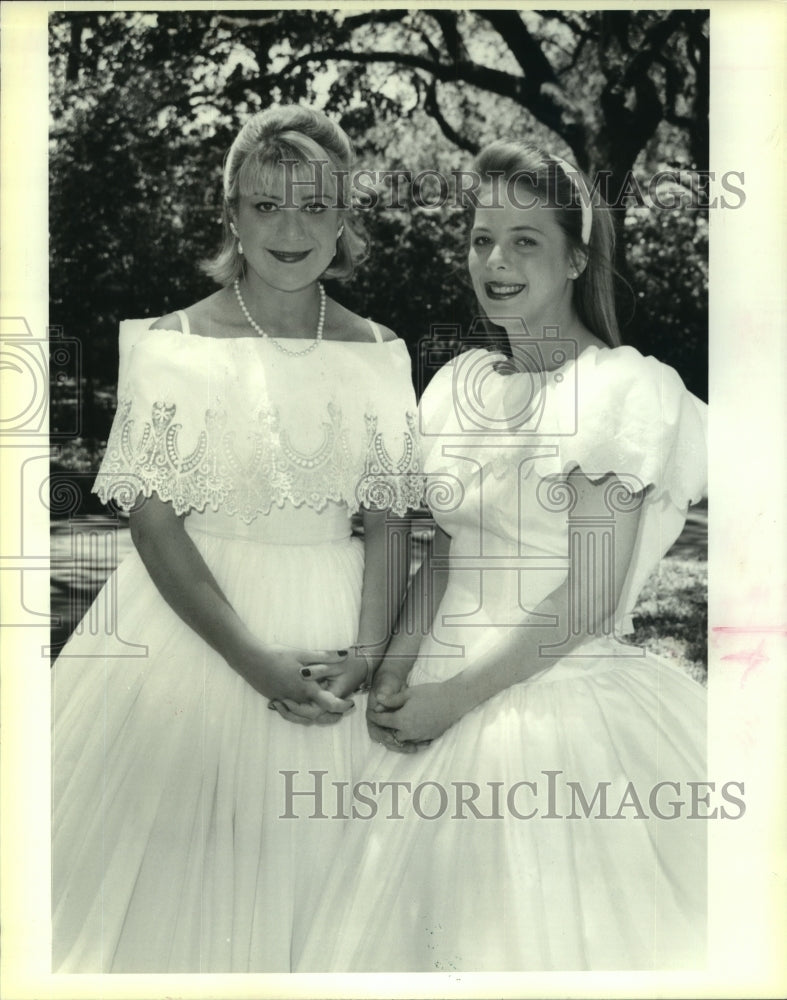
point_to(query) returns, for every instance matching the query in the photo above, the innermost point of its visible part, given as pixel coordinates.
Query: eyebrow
(306, 196)
(515, 229)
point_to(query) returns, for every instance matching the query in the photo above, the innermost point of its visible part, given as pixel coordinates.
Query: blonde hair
(594, 290)
(278, 136)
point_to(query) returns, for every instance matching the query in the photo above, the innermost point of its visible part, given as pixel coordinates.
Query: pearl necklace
(258, 329)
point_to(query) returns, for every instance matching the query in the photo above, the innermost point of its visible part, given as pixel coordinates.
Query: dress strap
(375, 331)
(184, 322)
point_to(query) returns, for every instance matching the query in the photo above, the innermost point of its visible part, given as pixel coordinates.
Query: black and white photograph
(394, 591)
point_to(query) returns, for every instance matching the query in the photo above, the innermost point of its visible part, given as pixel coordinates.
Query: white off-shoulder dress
(555, 826)
(169, 850)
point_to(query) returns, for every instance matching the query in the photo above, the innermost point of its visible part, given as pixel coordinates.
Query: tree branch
(563, 18)
(578, 48)
(547, 103)
(671, 81)
(450, 31)
(74, 51)
(656, 38)
(250, 19)
(374, 17)
(525, 49)
(432, 108)
(541, 91)
(699, 132)
(494, 80)
(434, 52)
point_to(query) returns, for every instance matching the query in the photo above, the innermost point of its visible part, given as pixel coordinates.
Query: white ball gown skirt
(169, 852)
(515, 876)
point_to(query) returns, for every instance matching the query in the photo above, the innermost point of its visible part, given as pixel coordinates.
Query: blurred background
(144, 106)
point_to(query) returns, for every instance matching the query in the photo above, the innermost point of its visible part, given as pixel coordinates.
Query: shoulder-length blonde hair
(287, 135)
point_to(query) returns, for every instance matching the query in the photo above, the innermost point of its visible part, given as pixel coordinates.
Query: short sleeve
(635, 418)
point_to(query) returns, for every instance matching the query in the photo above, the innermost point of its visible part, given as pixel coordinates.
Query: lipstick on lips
(292, 257)
(502, 290)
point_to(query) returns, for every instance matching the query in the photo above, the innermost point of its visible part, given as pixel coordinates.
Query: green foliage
(667, 254)
(414, 253)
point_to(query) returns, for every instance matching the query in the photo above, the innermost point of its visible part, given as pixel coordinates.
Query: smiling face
(519, 262)
(287, 223)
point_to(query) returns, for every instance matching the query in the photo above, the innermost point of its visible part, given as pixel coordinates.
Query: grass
(671, 615)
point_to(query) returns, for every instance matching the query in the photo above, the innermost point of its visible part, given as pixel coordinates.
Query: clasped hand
(305, 686)
(405, 719)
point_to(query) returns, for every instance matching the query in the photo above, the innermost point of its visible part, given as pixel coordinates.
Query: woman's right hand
(275, 671)
(386, 695)
(186, 583)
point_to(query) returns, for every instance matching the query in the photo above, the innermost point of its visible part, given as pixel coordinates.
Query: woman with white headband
(542, 812)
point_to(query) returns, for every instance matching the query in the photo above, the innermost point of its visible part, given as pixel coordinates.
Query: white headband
(584, 195)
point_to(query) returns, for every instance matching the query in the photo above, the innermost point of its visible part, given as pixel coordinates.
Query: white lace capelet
(237, 426)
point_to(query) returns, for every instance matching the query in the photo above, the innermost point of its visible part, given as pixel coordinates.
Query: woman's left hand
(341, 678)
(427, 712)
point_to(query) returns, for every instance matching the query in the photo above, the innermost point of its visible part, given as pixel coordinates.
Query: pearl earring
(236, 234)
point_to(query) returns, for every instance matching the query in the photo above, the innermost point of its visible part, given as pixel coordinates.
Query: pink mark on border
(750, 629)
(754, 658)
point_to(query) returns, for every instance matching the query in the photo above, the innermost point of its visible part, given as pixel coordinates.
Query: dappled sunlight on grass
(671, 615)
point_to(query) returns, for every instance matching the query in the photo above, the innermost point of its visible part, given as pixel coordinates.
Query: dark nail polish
(341, 652)
(305, 672)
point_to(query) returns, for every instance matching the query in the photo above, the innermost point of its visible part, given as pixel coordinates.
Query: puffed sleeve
(637, 420)
(636, 417)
